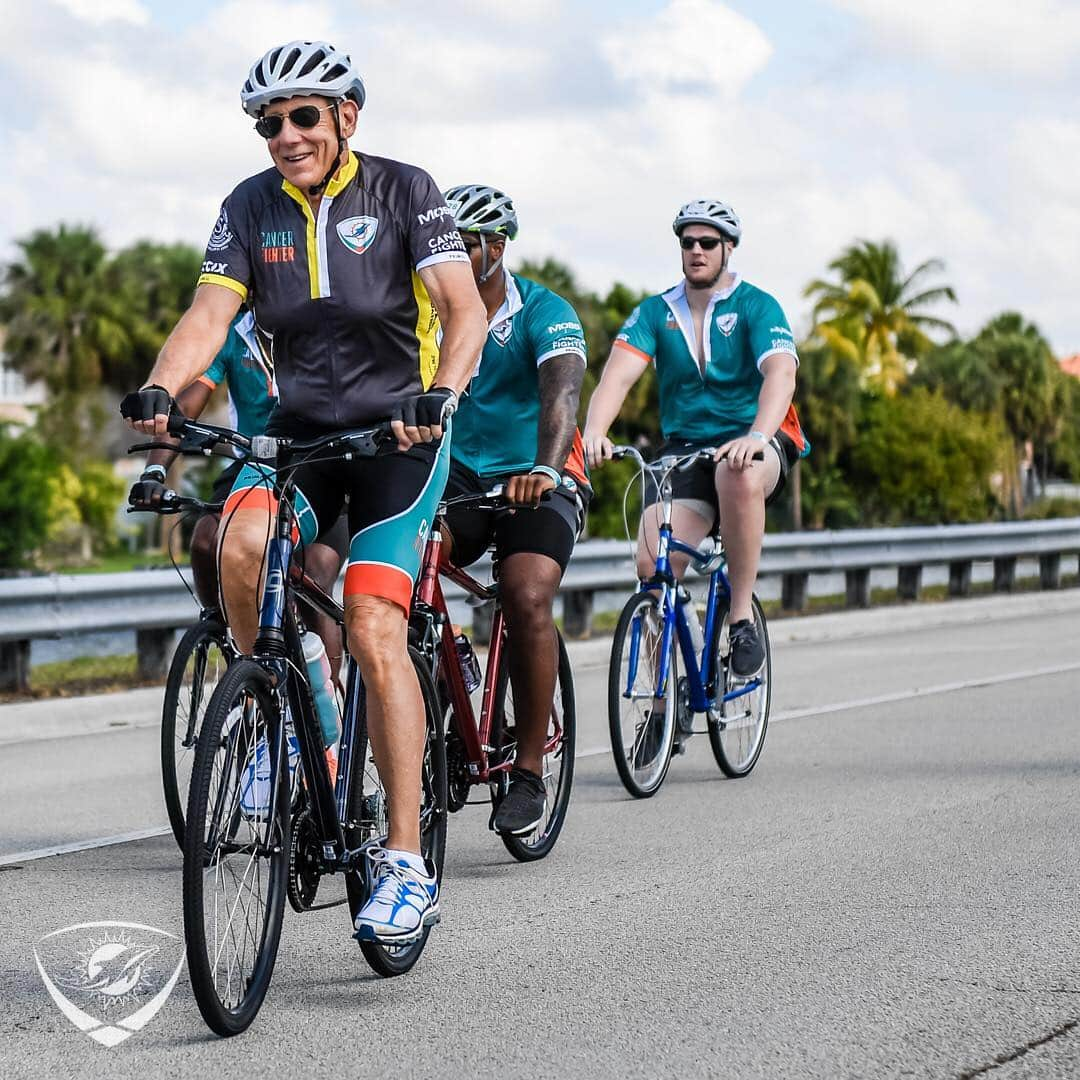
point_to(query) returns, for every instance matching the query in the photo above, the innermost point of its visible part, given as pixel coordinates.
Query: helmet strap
(485, 270)
(320, 187)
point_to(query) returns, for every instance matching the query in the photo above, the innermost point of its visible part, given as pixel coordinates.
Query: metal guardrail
(154, 603)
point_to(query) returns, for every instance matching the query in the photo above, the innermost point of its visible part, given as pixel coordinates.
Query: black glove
(428, 410)
(146, 493)
(147, 403)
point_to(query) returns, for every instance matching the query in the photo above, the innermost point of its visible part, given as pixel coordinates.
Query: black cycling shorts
(550, 529)
(698, 484)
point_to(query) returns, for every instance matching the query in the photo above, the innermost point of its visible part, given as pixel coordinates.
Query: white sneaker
(255, 782)
(403, 901)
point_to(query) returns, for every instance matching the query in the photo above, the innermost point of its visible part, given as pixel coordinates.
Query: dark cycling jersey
(345, 321)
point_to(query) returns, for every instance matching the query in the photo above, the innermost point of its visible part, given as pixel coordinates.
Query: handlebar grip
(177, 422)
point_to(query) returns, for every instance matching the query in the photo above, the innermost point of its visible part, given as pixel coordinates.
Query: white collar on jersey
(679, 291)
(511, 305)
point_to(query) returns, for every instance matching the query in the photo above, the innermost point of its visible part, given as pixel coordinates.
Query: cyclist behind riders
(516, 424)
(725, 363)
(350, 263)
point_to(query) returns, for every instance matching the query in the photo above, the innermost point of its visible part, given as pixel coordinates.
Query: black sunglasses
(306, 117)
(707, 242)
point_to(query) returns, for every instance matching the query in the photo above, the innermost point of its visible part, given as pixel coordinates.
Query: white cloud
(690, 46)
(1038, 38)
(101, 11)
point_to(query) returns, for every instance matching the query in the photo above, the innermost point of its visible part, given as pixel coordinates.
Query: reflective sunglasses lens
(307, 116)
(707, 242)
(269, 126)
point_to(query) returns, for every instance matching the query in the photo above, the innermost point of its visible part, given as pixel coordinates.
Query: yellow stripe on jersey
(237, 287)
(427, 326)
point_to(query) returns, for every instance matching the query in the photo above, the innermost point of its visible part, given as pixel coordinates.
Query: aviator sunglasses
(707, 242)
(305, 117)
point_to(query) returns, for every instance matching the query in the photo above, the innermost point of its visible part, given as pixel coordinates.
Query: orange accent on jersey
(257, 497)
(378, 579)
(617, 344)
(575, 463)
(207, 382)
(793, 429)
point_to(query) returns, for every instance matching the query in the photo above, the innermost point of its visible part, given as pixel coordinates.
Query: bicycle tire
(248, 684)
(640, 606)
(523, 848)
(187, 691)
(392, 960)
(757, 704)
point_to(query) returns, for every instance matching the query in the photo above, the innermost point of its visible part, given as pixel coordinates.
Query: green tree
(875, 314)
(920, 460)
(25, 468)
(63, 325)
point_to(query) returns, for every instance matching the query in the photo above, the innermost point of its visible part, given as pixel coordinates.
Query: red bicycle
(483, 753)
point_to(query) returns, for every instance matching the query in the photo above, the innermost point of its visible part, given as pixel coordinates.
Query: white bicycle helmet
(298, 69)
(709, 212)
(482, 209)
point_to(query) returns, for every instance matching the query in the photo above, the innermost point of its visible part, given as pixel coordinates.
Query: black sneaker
(524, 805)
(747, 652)
(647, 739)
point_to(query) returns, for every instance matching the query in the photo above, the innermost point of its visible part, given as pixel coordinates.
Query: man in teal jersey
(725, 365)
(240, 365)
(516, 424)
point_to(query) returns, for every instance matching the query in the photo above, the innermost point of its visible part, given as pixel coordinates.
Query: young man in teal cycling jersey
(517, 425)
(242, 367)
(725, 363)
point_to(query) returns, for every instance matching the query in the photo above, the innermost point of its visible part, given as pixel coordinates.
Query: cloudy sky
(950, 126)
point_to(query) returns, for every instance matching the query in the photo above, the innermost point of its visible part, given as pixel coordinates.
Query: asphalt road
(893, 892)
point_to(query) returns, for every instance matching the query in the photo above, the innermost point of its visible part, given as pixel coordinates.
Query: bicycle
(644, 660)
(483, 752)
(199, 661)
(250, 846)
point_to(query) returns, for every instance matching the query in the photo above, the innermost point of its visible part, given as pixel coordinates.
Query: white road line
(84, 845)
(596, 751)
(924, 691)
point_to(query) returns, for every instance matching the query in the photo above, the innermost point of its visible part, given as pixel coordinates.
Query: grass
(83, 675)
(121, 561)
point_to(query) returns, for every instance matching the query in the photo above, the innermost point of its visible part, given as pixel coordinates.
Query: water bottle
(693, 623)
(470, 666)
(322, 686)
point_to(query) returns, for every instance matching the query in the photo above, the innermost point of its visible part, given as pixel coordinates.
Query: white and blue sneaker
(255, 781)
(403, 901)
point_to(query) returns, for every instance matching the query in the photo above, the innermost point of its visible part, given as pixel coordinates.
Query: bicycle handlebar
(681, 462)
(172, 503)
(495, 499)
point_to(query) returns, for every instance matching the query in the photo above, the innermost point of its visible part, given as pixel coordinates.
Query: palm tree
(63, 324)
(875, 315)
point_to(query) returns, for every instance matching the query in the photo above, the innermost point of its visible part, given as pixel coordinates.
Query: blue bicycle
(651, 707)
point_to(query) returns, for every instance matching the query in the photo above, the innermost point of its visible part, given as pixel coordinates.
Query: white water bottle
(322, 686)
(693, 623)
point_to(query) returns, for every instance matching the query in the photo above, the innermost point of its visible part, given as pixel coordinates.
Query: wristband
(159, 471)
(546, 470)
(759, 435)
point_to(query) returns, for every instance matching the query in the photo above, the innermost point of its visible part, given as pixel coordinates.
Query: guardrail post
(1050, 571)
(15, 666)
(1004, 573)
(908, 582)
(959, 578)
(857, 587)
(793, 591)
(153, 652)
(577, 613)
(481, 623)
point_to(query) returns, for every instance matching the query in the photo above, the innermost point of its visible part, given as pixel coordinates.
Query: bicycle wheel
(197, 666)
(366, 818)
(641, 742)
(237, 851)
(558, 761)
(737, 727)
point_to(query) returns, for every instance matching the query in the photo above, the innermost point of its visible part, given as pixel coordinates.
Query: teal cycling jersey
(713, 402)
(239, 364)
(496, 426)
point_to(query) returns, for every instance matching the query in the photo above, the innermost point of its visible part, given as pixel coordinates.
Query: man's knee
(242, 545)
(377, 634)
(204, 538)
(527, 599)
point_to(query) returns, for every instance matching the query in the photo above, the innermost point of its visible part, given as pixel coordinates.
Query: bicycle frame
(700, 672)
(430, 604)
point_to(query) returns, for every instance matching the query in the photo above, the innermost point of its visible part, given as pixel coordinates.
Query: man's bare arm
(560, 391)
